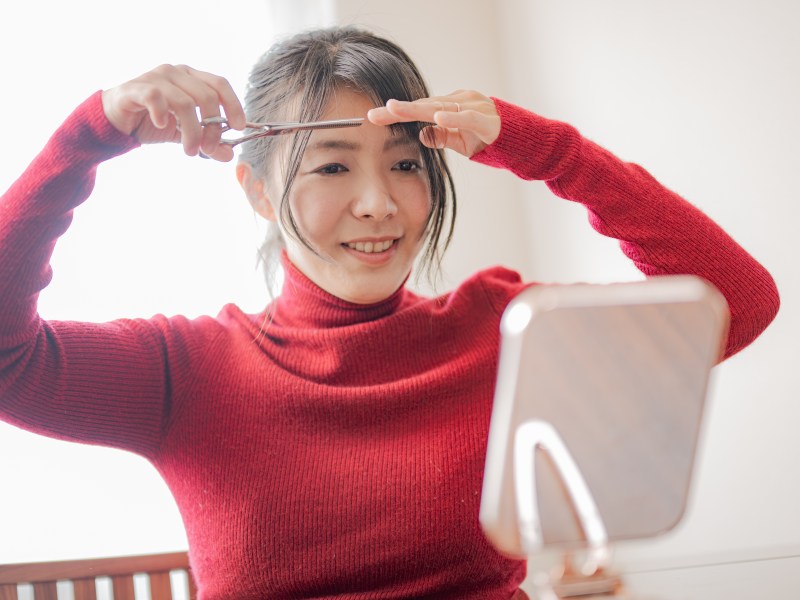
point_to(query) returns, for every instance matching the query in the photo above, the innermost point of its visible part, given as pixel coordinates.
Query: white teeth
(371, 247)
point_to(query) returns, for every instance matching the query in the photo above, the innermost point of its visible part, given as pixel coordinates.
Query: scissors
(269, 129)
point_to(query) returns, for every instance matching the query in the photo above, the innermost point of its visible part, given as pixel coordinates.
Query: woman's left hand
(464, 121)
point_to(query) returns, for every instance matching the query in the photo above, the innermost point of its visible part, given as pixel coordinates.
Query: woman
(332, 446)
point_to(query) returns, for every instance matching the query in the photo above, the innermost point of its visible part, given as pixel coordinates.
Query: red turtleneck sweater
(339, 451)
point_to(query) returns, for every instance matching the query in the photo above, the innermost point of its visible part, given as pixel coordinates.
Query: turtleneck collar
(303, 304)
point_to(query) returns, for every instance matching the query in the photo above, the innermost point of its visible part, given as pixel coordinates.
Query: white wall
(705, 96)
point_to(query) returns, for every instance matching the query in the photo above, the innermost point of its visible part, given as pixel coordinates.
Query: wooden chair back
(44, 576)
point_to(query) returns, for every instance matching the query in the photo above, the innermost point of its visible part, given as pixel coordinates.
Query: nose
(374, 202)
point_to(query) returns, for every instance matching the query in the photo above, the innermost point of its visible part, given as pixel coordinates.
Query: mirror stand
(592, 579)
(569, 581)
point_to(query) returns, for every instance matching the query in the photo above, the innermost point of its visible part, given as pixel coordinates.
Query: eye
(331, 169)
(407, 166)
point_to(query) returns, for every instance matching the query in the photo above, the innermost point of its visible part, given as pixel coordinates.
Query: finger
(381, 116)
(400, 111)
(206, 99)
(169, 107)
(397, 111)
(433, 137)
(157, 107)
(184, 110)
(485, 127)
(227, 98)
(440, 137)
(128, 105)
(224, 97)
(223, 153)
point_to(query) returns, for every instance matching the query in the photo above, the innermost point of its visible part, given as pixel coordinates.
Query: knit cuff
(529, 145)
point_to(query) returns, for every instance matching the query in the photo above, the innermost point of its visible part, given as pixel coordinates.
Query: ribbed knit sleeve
(97, 383)
(659, 231)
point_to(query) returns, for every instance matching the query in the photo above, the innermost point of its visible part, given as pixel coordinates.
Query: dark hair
(294, 81)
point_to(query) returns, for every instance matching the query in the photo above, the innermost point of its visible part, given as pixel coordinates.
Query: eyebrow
(341, 144)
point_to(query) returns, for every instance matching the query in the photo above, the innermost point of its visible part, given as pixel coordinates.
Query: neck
(303, 304)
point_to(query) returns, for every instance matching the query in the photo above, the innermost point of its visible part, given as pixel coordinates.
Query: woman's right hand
(162, 106)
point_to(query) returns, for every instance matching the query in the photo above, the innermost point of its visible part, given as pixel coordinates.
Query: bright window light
(162, 233)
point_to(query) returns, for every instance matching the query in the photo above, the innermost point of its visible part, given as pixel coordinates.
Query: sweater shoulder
(497, 285)
(205, 331)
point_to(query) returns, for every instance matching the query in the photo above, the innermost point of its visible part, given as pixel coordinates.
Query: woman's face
(361, 199)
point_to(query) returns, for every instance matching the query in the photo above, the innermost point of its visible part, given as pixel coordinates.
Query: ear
(256, 191)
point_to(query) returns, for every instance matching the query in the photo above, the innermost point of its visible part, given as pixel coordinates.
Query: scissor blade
(331, 124)
(270, 129)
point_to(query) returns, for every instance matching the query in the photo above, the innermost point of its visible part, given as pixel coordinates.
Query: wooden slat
(8, 591)
(95, 567)
(84, 589)
(45, 590)
(123, 587)
(160, 586)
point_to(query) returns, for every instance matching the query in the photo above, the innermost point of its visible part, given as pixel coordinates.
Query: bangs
(378, 74)
(381, 76)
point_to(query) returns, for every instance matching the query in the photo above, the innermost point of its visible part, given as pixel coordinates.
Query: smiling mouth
(371, 247)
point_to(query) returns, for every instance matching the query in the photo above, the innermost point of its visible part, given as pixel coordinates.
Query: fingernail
(428, 136)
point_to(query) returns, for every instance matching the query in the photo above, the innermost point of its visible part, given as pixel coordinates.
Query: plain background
(702, 94)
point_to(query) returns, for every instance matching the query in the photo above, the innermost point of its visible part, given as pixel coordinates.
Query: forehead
(346, 103)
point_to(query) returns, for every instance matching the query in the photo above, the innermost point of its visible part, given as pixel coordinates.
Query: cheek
(315, 210)
(418, 203)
